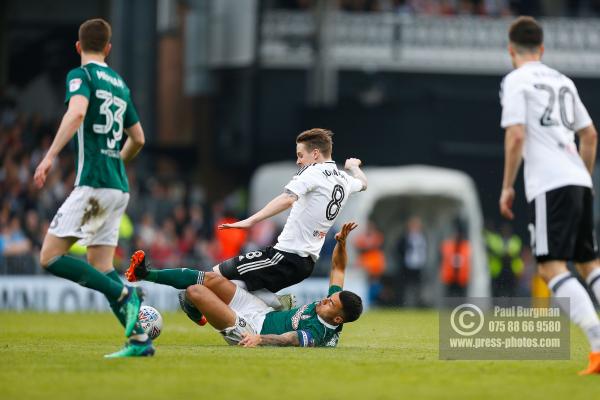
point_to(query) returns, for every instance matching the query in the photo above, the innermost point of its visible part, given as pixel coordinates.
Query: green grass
(385, 355)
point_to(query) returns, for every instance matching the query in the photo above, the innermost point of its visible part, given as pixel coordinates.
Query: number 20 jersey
(547, 103)
(99, 138)
(322, 192)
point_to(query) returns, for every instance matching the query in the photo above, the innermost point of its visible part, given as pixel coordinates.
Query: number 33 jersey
(546, 102)
(99, 139)
(322, 192)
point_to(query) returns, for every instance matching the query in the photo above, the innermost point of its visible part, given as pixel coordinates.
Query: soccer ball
(151, 321)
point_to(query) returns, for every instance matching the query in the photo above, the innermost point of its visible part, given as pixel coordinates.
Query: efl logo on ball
(151, 321)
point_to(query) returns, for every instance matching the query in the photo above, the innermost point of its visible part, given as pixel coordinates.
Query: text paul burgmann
(527, 312)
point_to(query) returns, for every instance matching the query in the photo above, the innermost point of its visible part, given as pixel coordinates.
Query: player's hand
(352, 163)
(243, 224)
(346, 229)
(41, 172)
(506, 202)
(249, 340)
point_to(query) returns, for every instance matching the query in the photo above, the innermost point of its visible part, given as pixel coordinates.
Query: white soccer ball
(151, 321)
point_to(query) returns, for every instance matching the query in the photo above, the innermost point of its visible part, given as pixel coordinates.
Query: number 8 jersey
(322, 191)
(99, 138)
(546, 102)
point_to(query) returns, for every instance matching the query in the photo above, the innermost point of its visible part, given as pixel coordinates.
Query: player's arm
(134, 143)
(71, 121)
(274, 207)
(513, 156)
(285, 339)
(353, 167)
(588, 140)
(339, 259)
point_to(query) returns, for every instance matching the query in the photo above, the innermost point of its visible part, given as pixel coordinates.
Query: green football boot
(134, 348)
(130, 307)
(190, 309)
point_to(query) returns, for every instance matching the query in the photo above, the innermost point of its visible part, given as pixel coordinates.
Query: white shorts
(250, 314)
(93, 215)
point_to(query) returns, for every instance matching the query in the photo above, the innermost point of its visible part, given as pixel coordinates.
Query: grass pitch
(385, 355)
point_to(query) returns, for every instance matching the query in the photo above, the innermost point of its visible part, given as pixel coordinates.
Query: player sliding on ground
(541, 112)
(100, 109)
(316, 195)
(243, 318)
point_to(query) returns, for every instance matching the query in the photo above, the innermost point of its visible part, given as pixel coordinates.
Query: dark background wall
(398, 119)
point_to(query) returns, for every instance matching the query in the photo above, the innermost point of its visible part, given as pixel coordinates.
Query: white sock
(124, 293)
(268, 297)
(241, 284)
(142, 337)
(593, 281)
(582, 310)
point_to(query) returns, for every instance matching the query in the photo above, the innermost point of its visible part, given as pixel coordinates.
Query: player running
(243, 318)
(99, 110)
(541, 111)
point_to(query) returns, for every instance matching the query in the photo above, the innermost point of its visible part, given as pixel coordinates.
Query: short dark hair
(526, 33)
(317, 138)
(352, 305)
(94, 35)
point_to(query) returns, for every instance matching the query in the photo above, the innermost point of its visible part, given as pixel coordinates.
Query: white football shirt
(547, 103)
(322, 191)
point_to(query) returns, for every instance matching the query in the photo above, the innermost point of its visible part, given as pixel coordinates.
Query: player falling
(243, 318)
(316, 195)
(541, 112)
(99, 110)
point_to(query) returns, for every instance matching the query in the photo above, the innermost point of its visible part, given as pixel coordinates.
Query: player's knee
(46, 257)
(43, 261)
(52, 248)
(194, 292)
(212, 278)
(585, 269)
(549, 270)
(545, 275)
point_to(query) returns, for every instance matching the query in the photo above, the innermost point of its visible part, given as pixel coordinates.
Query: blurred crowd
(170, 218)
(407, 269)
(167, 216)
(23, 210)
(492, 8)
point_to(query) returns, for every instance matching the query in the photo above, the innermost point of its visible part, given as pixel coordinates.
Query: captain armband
(306, 339)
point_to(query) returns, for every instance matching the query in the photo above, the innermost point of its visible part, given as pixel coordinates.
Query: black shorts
(268, 268)
(562, 225)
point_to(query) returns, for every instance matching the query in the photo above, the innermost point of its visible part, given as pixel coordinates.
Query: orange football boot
(594, 365)
(137, 267)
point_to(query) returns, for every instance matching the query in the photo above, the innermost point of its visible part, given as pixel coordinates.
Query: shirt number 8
(253, 254)
(335, 205)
